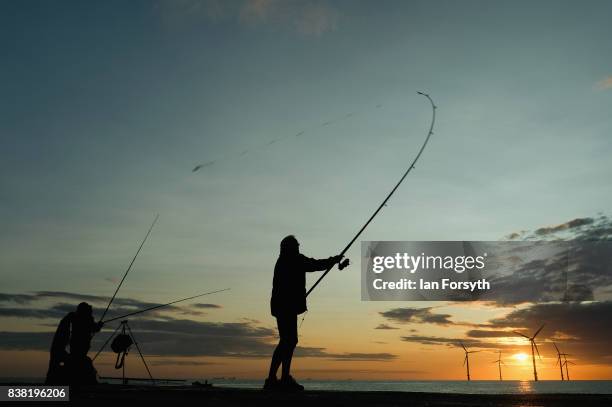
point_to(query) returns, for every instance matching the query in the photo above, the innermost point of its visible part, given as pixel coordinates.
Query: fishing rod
(384, 202)
(163, 305)
(145, 310)
(129, 267)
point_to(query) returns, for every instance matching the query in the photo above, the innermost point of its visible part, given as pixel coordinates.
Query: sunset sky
(305, 114)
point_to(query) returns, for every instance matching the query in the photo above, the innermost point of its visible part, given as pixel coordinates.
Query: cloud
(542, 279)
(344, 357)
(192, 313)
(354, 356)
(203, 328)
(186, 338)
(57, 311)
(120, 306)
(16, 298)
(96, 299)
(513, 235)
(251, 320)
(373, 372)
(419, 315)
(575, 223)
(456, 342)
(240, 339)
(38, 295)
(605, 83)
(439, 340)
(161, 334)
(385, 326)
(170, 338)
(175, 362)
(583, 229)
(479, 333)
(578, 267)
(206, 306)
(309, 18)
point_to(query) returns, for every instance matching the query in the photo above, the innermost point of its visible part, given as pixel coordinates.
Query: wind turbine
(466, 361)
(499, 363)
(533, 346)
(565, 363)
(559, 361)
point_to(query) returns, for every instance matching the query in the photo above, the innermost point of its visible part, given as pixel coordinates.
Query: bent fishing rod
(129, 267)
(384, 202)
(163, 305)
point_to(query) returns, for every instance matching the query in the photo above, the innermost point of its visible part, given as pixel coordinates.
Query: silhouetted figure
(288, 301)
(75, 329)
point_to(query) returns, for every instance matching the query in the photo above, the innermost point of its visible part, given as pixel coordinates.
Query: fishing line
(286, 137)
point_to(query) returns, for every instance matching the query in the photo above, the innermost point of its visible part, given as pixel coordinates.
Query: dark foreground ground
(115, 395)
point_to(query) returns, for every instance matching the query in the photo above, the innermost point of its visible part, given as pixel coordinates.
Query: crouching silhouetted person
(76, 330)
(288, 301)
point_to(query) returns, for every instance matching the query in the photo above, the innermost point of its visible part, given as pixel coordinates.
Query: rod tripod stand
(121, 346)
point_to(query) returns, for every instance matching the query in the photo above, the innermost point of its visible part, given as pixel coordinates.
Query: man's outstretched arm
(311, 264)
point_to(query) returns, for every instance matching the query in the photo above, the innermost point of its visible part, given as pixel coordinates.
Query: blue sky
(109, 105)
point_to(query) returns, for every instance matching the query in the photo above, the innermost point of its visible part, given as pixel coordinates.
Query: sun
(521, 357)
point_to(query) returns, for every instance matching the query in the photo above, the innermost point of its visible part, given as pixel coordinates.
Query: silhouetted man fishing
(75, 329)
(288, 301)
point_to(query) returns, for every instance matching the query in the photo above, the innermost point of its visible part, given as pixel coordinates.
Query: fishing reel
(343, 264)
(121, 346)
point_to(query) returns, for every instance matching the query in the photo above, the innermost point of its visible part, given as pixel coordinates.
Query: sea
(438, 386)
(458, 387)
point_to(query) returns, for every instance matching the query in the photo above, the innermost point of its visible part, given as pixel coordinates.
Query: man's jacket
(289, 284)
